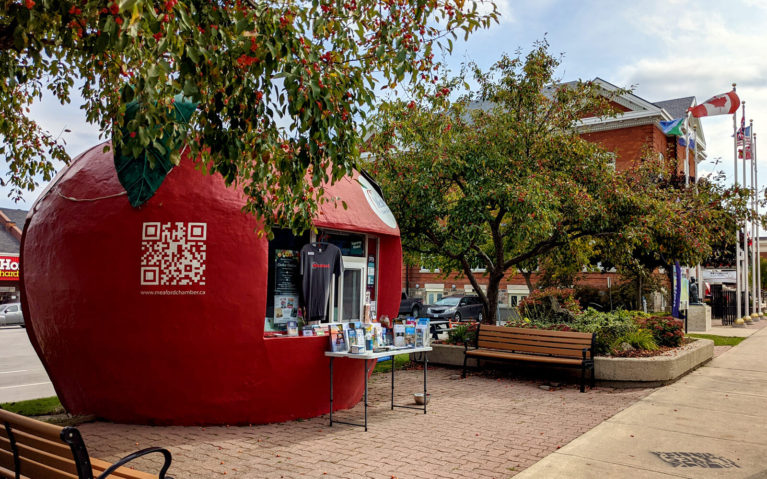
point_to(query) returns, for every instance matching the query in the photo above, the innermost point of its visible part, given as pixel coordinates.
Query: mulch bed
(639, 353)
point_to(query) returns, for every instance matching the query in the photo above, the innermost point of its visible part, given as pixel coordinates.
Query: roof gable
(627, 100)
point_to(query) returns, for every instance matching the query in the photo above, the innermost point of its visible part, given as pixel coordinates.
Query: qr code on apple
(173, 254)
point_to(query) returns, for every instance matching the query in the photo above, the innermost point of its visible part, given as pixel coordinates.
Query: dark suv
(458, 307)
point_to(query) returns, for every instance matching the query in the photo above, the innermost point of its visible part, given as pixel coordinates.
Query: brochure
(409, 336)
(292, 328)
(422, 337)
(336, 336)
(399, 335)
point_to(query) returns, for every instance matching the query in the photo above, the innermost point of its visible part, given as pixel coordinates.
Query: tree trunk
(528, 275)
(639, 291)
(491, 309)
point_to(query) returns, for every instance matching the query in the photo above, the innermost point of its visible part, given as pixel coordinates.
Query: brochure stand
(371, 356)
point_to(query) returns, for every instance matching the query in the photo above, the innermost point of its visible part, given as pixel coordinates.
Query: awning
(366, 211)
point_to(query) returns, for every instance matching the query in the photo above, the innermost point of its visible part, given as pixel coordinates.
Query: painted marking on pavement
(25, 385)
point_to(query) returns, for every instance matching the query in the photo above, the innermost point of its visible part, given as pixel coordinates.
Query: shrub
(607, 327)
(463, 334)
(589, 296)
(550, 305)
(666, 330)
(527, 323)
(639, 339)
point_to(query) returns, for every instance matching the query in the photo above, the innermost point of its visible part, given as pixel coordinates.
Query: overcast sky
(662, 49)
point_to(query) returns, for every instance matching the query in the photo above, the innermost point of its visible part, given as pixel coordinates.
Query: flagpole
(687, 151)
(746, 305)
(737, 230)
(698, 272)
(753, 222)
(758, 225)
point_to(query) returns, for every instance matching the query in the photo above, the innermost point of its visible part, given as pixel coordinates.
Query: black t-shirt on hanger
(319, 262)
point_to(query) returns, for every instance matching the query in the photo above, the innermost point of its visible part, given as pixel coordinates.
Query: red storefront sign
(9, 268)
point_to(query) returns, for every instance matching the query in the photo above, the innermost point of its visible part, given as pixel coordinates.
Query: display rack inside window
(318, 280)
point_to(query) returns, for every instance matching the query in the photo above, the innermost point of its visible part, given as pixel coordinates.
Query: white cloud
(700, 49)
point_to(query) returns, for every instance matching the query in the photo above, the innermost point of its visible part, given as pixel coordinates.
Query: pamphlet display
(285, 289)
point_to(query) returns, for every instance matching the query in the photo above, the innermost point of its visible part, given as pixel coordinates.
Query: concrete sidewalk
(711, 423)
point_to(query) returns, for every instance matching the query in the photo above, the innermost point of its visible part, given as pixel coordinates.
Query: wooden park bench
(560, 348)
(31, 449)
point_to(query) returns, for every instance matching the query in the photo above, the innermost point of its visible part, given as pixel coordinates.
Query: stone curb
(617, 372)
(663, 369)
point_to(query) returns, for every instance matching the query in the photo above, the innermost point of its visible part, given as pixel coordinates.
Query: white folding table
(369, 356)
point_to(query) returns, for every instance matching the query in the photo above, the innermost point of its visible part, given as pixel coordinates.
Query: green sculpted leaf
(141, 168)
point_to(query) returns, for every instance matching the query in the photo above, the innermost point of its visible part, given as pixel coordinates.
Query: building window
(434, 292)
(426, 259)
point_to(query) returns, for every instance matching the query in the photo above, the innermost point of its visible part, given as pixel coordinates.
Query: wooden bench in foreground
(31, 449)
(559, 348)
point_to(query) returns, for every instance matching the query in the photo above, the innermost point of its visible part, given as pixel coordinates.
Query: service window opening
(350, 293)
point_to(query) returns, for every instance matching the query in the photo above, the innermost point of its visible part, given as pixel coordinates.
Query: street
(22, 375)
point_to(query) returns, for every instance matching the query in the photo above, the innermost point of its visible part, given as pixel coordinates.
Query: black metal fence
(723, 304)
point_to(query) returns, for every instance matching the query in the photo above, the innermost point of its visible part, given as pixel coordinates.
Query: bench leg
(463, 375)
(583, 377)
(592, 376)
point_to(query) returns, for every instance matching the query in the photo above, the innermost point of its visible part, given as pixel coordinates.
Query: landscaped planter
(448, 355)
(656, 370)
(640, 372)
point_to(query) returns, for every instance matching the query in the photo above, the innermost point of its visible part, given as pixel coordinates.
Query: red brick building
(628, 136)
(11, 222)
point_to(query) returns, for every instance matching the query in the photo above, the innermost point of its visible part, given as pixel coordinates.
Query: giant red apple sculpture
(156, 314)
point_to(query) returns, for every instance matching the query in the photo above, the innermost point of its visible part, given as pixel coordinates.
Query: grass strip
(719, 340)
(401, 361)
(35, 407)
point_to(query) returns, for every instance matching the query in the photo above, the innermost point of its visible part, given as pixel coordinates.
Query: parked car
(10, 314)
(457, 307)
(410, 306)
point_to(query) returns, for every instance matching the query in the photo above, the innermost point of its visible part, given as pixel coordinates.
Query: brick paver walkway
(480, 427)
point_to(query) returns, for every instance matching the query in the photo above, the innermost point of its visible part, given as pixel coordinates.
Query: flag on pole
(682, 141)
(744, 136)
(724, 104)
(742, 129)
(672, 127)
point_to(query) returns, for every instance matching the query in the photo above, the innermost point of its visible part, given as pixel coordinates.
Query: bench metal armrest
(137, 454)
(584, 351)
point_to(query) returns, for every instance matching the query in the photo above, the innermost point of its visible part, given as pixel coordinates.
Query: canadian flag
(725, 104)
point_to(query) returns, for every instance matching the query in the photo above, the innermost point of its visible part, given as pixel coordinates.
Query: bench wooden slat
(62, 463)
(537, 332)
(536, 337)
(37, 470)
(6, 472)
(6, 458)
(573, 353)
(532, 337)
(57, 448)
(35, 427)
(522, 357)
(124, 472)
(528, 342)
